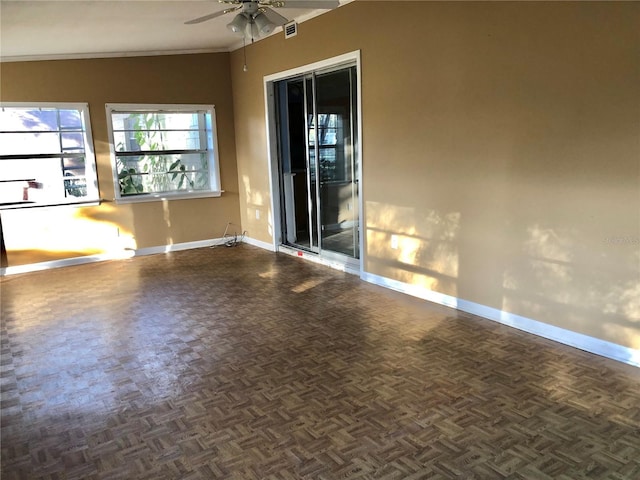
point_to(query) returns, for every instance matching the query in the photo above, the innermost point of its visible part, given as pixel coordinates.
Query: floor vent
(290, 29)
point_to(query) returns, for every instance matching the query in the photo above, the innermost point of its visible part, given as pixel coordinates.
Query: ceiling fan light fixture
(238, 24)
(265, 26)
(252, 30)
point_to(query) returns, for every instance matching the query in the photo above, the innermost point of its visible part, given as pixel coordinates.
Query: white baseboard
(177, 247)
(116, 255)
(259, 243)
(319, 259)
(65, 262)
(594, 345)
(589, 344)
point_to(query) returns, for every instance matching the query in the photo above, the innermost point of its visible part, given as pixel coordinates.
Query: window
(163, 151)
(329, 131)
(46, 155)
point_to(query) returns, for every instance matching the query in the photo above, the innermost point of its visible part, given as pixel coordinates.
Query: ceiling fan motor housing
(258, 17)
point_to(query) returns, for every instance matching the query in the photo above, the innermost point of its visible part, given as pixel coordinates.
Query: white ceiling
(50, 29)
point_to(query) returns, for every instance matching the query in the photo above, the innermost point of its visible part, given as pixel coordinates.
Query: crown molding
(86, 56)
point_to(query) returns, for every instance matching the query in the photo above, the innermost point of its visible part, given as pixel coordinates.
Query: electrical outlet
(257, 214)
(394, 242)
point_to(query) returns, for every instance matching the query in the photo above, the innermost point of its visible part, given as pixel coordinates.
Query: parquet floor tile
(243, 364)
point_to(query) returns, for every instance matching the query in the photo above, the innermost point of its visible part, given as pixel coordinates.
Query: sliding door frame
(347, 59)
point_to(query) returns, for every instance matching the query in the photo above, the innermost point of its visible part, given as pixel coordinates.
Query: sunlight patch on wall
(256, 210)
(622, 335)
(120, 218)
(549, 268)
(551, 253)
(166, 215)
(549, 244)
(565, 278)
(51, 230)
(624, 300)
(253, 198)
(415, 247)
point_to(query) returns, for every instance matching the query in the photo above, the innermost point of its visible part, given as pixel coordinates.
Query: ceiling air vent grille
(290, 29)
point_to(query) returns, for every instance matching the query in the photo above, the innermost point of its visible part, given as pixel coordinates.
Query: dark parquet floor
(240, 363)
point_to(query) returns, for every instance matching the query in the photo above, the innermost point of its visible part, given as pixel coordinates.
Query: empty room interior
(320, 239)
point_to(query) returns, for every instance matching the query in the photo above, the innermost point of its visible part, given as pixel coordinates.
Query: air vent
(290, 29)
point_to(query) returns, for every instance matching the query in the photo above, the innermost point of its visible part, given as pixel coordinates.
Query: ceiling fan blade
(327, 4)
(275, 17)
(212, 15)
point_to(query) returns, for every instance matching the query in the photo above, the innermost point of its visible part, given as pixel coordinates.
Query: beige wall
(500, 142)
(43, 234)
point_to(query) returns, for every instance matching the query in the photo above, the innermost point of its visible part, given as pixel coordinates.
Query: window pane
(163, 173)
(55, 168)
(74, 163)
(156, 131)
(139, 130)
(11, 170)
(31, 180)
(14, 119)
(70, 119)
(75, 186)
(28, 143)
(72, 141)
(155, 121)
(195, 161)
(190, 180)
(163, 163)
(328, 164)
(137, 184)
(36, 131)
(134, 141)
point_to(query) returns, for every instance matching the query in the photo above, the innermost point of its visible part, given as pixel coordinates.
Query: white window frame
(90, 174)
(215, 189)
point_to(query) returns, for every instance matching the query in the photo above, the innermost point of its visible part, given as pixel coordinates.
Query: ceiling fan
(256, 17)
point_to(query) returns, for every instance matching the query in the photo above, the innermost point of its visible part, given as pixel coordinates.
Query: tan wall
(500, 142)
(43, 234)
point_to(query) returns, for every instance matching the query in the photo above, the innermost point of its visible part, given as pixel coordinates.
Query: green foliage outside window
(160, 172)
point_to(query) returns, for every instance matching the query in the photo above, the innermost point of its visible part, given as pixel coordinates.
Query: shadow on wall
(536, 271)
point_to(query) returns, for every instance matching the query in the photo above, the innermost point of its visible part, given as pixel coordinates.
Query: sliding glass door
(317, 120)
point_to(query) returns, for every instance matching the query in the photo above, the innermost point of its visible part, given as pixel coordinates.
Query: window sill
(156, 197)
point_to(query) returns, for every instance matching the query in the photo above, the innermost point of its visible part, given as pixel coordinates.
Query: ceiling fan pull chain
(244, 53)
